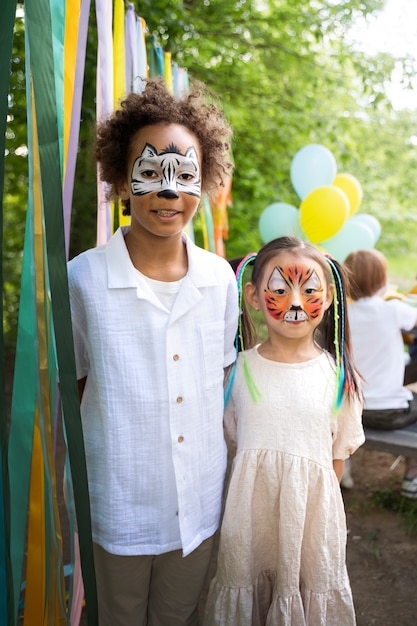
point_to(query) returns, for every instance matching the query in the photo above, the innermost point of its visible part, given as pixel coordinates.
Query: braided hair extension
(339, 334)
(245, 333)
(337, 339)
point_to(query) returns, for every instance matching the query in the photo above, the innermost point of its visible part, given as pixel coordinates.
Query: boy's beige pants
(162, 590)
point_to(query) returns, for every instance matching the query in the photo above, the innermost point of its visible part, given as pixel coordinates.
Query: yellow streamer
(119, 69)
(72, 18)
(168, 71)
(124, 220)
(119, 65)
(36, 558)
(204, 229)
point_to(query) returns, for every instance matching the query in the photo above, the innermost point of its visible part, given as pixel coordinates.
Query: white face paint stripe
(167, 171)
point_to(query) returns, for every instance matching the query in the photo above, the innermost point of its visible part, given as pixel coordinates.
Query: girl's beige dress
(282, 554)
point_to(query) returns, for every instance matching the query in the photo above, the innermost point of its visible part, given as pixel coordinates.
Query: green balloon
(279, 219)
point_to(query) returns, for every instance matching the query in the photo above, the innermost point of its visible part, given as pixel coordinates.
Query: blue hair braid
(339, 345)
(254, 391)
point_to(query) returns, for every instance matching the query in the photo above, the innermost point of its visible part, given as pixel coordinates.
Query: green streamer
(6, 591)
(23, 412)
(155, 57)
(40, 38)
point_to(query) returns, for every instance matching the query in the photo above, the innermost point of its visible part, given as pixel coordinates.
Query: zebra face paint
(167, 173)
(294, 293)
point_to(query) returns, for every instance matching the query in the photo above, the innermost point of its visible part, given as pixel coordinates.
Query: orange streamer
(219, 207)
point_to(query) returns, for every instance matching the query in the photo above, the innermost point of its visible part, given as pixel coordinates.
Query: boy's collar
(121, 272)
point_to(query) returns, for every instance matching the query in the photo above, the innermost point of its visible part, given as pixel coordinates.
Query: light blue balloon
(354, 235)
(312, 166)
(277, 220)
(371, 222)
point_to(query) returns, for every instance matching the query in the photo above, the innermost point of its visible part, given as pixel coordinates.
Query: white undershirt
(166, 291)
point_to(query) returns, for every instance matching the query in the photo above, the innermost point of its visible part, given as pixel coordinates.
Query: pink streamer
(78, 586)
(104, 14)
(130, 47)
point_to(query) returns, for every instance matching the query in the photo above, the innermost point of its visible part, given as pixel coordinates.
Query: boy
(154, 321)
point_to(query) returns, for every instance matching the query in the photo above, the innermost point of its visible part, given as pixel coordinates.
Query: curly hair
(156, 105)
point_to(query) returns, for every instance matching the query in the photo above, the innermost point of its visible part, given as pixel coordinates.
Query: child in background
(294, 414)
(154, 320)
(378, 349)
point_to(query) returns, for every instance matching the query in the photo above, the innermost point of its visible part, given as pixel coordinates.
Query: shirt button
(175, 357)
(180, 439)
(179, 399)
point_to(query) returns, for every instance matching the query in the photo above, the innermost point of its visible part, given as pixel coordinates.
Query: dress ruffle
(261, 605)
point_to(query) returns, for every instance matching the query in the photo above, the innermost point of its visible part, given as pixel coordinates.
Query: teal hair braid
(339, 314)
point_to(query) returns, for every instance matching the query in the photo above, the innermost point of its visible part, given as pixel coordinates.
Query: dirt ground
(381, 551)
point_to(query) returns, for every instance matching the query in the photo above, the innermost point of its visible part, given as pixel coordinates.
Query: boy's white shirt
(155, 484)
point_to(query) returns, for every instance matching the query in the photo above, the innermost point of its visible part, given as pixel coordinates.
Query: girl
(294, 415)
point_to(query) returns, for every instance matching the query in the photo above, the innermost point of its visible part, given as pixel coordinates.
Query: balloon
(352, 188)
(371, 222)
(277, 220)
(354, 235)
(323, 212)
(312, 166)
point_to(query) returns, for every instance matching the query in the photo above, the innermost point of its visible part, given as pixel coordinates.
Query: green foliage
(286, 75)
(393, 501)
(15, 187)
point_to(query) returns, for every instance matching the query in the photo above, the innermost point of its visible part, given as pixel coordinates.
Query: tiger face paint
(166, 173)
(294, 293)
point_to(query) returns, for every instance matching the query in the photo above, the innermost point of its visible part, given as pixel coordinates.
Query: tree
(286, 75)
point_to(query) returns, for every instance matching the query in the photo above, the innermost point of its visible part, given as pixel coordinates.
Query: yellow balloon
(352, 188)
(323, 212)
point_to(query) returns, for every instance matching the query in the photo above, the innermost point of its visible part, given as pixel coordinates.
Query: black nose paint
(169, 194)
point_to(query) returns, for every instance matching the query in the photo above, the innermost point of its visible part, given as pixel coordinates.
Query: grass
(402, 270)
(393, 501)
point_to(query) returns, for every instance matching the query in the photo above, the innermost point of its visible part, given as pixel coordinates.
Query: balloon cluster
(327, 215)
